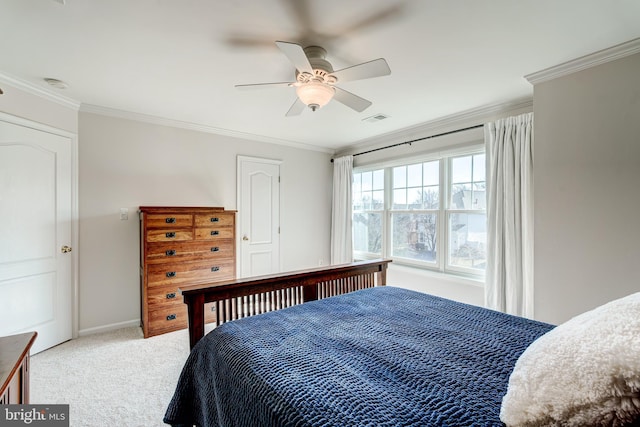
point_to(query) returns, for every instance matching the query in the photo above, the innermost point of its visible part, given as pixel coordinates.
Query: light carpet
(115, 378)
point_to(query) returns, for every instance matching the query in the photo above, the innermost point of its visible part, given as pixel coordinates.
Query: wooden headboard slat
(255, 295)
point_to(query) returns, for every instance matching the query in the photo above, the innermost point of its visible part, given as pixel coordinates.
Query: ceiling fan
(315, 81)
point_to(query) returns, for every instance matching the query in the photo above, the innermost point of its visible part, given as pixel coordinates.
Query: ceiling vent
(375, 118)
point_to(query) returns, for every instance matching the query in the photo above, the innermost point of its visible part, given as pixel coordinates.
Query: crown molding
(38, 91)
(603, 56)
(464, 119)
(146, 118)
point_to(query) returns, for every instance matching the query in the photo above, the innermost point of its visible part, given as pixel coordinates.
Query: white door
(259, 216)
(35, 230)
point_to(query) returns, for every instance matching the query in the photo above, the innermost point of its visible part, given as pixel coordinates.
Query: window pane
(414, 236)
(400, 199)
(414, 198)
(378, 200)
(431, 197)
(479, 167)
(367, 232)
(414, 175)
(479, 195)
(468, 240)
(367, 178)
(431, 173)
(378, 179)
(366, 200)
(461, 169)
(400, 177)
(461, 196)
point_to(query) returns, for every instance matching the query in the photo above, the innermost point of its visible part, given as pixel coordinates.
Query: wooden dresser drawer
(167, 319)
(169, 220)
(160, 252)
(190, 272)
(215, 220)
(214, 233)
(163, 296)
(167, 296)
(169, 235)
(174, 317)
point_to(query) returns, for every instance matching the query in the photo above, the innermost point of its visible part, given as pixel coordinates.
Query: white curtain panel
(341, 234)
(509, 273)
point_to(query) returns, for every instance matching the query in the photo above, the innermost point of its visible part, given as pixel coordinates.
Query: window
(368, 208)
(430, 214)
(415, 211)
(467, 218)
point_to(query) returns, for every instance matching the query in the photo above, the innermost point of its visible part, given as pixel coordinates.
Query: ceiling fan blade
(241, 41)
(366, 70)
(296, 55)
(381, 17)
(301, 13)
(351, 100)
(296, 109)
(263, 85)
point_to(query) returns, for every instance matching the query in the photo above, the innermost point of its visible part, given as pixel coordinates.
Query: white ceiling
(180, 60)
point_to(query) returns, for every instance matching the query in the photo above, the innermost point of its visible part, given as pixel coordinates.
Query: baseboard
(107, 328)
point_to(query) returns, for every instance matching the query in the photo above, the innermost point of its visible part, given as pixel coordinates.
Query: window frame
(363, 254)
(435, 265)
(448, 266)
(442, 262)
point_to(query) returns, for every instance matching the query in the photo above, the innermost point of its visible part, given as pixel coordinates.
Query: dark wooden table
(14, 368)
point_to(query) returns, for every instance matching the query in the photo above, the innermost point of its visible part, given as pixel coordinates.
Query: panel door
(259, 216)
(35, 234)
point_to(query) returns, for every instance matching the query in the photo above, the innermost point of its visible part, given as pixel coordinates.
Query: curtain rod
(416, 140)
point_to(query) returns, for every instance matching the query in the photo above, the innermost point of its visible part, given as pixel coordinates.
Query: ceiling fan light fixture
(315, 94)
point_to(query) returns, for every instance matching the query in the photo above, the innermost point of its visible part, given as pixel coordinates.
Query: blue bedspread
(377, 357)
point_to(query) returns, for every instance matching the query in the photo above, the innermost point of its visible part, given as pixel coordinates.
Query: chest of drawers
(181, 246)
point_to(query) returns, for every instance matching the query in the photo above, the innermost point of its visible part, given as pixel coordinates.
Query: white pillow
(584, 372)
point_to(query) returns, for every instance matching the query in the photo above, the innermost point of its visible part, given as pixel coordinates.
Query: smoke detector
(58, 84)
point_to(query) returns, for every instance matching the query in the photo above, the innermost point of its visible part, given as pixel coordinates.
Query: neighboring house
(587, 142)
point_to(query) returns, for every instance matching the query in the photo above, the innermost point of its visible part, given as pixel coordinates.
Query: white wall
(449, 286)
(125, 163)
(587, 188)
(38, 109)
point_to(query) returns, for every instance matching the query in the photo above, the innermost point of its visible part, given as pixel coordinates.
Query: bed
(387, 356)
(382, 356)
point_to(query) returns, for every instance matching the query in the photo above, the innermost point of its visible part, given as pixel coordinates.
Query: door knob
(245, 238)
(65, 249)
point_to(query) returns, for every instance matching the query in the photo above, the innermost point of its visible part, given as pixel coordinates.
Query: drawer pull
(170, 252)
(171, 274)
(215, 219)
(215, 232)
(170, 235)
(172, 295)
(170, 220)
(215, 268)
(171, 317)
(215, 249)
